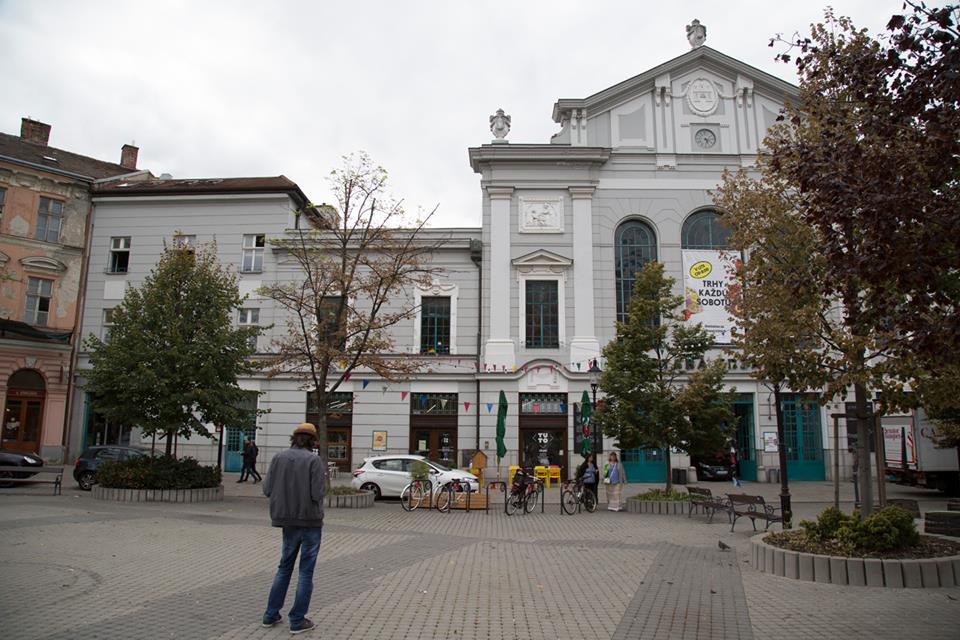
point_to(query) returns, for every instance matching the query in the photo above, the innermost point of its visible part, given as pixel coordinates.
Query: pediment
(543, 259)
(42, 264)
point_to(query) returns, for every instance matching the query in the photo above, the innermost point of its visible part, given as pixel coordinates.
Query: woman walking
(588, 473)
(616, 478)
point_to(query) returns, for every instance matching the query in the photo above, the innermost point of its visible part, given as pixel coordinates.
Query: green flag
(502, 426)
(586, 442)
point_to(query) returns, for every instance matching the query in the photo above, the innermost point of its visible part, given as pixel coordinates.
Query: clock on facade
(705, 138)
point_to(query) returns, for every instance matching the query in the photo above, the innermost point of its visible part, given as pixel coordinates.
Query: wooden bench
(709, 503)
(753, 507)
(11, 474)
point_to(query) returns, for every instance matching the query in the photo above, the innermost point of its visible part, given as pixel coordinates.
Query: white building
(526, 302)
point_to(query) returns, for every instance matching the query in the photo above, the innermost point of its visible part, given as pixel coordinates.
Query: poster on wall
(379, 440)
(770, 443)
(706, 276)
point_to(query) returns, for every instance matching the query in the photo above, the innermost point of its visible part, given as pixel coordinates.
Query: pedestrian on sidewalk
(295, 486)
(588, 473)
(734, 466)
(250, 453)
(616, 478)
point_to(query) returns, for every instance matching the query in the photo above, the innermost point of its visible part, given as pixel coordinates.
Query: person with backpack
(250, 453)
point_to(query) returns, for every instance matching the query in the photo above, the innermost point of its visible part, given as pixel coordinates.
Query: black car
(11, 458)
(85, 469)
(716, 467)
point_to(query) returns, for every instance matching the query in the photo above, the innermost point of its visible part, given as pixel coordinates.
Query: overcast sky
(219, 89)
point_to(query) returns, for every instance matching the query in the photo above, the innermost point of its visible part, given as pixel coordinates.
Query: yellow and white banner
(707, 275)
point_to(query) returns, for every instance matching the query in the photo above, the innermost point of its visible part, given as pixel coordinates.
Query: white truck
(913, 457)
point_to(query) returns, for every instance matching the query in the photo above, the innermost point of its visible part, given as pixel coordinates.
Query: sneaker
(271, 623)
(306, 625)
(241, 480)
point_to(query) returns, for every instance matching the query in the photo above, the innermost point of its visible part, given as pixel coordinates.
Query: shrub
(889, 529)
(343, 491)
(162, 472)
(420, 470)
(661, 495)
(827, 525)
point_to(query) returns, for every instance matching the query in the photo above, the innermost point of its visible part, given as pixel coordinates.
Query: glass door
(803, 436)
(22, 418)
(541, 447)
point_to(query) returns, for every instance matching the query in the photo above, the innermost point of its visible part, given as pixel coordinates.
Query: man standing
(294, 485)
(250, 453)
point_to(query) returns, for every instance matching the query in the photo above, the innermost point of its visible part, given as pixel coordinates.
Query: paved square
(75, 568)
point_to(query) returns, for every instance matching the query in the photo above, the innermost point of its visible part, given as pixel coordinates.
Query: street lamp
(594, 372)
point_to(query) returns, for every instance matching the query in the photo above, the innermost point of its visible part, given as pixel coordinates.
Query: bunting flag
(385, 389)
(466, 406)
(364, 383)
(563, 408)
(489, 407)
(578, 366)
(347, 376)
(403, 395)
(443, 402)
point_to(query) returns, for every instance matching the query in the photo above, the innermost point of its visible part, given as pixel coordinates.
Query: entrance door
(803, 436)
(543, 447)
(438, 444)
(746, 451)
(233, 453)
(644, 465)
(23, 413)
(433, 427)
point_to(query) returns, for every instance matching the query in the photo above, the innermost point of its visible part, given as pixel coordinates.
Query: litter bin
(773, 476)
(679, 476)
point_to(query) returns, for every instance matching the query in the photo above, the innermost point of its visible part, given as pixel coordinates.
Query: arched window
(704, 230)
(634, 245)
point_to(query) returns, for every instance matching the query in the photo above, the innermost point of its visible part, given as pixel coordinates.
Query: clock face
(705, 139)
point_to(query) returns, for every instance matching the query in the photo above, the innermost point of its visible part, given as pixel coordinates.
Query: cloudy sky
(237, 88)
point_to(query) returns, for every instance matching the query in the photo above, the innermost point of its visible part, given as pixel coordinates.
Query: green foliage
(889, 529)
(163, 472)
(173, 358)
(662, 495)
(651, 399)
(342, 491)
(420, 470)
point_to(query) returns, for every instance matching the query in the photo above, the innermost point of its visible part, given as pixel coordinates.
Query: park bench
(753, 507)
(11, 474)
(705, 500)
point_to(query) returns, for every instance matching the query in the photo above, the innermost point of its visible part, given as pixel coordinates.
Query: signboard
(379, 440)
(770, 444)
(706, 277)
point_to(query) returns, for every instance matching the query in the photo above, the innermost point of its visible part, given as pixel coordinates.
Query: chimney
(34, 131)
(128, 156)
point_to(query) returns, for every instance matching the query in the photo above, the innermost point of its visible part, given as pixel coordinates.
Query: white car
(389, 475)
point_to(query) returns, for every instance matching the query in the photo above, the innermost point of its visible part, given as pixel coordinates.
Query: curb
(929, 573)
(362, 501)
(211, 494)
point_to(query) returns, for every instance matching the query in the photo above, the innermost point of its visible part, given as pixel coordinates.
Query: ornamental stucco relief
(541, 215)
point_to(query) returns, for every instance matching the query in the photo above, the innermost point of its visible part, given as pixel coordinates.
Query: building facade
(44, 218)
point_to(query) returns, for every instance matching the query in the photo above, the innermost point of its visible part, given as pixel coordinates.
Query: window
(3, 197)
(433, 404)
(391, 464)
(250, 318)
(119, 255)
(327, 320)
(253, 253)
(542, 314)
(337, 402)
(704, 230)
(539, 403)
(107, 324)
(39, 292)
(634, 246)
(182, 241)
(49, 217)
(435, 325)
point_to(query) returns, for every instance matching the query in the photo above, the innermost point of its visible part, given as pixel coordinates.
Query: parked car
(11, 458)
(715, 467)
(85, 468)
(389, 475)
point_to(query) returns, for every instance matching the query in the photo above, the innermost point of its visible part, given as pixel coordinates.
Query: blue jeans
(296, 540)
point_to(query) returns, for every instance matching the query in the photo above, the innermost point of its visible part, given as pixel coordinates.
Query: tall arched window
(704, 230)
(634, 245)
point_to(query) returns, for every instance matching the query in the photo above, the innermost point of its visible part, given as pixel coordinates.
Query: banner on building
(707, 275)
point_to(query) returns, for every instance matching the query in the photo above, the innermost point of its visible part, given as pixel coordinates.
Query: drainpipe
(476, 254)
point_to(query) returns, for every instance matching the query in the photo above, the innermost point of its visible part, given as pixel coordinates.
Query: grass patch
(662, 495)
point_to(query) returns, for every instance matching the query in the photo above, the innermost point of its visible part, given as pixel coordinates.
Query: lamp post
(594, 372)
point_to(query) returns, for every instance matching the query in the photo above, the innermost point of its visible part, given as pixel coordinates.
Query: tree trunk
(168, 447)
(785, 508)
(864, 436)
(667, 465)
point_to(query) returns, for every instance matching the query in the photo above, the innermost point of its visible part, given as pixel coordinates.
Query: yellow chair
(554, 471)
(542, 473)
(513, 471)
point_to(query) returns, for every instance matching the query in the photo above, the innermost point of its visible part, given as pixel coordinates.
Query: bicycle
(412, 495)
(571, 499)
(445, 496)
(523, 494)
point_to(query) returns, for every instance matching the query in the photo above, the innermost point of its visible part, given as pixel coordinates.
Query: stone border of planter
(658, 507)
(362, 501)
(211, 494)
(930, 573)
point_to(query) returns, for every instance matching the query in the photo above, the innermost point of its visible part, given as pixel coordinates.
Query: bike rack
(503, 486)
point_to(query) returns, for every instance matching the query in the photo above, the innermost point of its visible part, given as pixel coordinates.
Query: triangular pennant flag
(494, 367)
(403, 395)
(578, 366)
(443, 403)
(365, 383)
(489, 407)
(563, 408)
(536, 407)
(466, 406)
(385, 389)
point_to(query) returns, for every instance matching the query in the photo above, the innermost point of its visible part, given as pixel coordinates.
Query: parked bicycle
(447, 494)
(524, 493)
(575, 494)
(413, 494)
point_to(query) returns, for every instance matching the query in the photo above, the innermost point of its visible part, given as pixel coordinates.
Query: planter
(359, 501)
(944, 523)
(929, 573)
(658, 507)
(212, 494)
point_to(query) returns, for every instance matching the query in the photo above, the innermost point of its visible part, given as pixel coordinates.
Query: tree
(171, 362)
(776, 300)
(651, 400)
(354, 273)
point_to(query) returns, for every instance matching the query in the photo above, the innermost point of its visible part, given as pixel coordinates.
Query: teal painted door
(233, 449)
(803, 437)
(746, 451)
(644, 465)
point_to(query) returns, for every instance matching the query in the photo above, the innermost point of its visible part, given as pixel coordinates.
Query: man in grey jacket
(294, 485)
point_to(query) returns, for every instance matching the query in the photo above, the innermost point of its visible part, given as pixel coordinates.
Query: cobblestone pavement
(77, 568)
